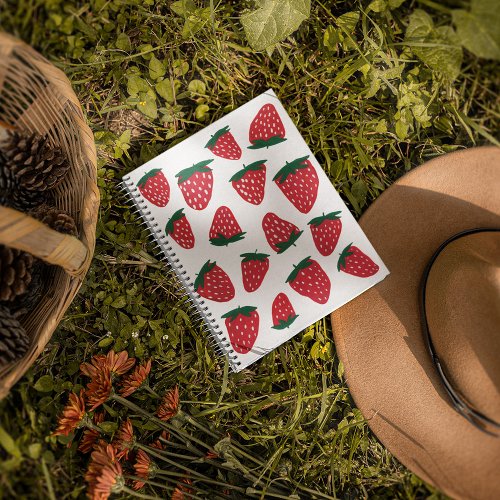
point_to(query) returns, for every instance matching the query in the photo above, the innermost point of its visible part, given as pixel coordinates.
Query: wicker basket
(37, 97)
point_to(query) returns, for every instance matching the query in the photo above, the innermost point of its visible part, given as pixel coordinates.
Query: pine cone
(57, 219)
(33, 162)
(25, 303)
(15, 272)
(14, 341)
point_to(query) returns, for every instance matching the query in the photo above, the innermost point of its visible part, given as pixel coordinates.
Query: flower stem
(136, 494)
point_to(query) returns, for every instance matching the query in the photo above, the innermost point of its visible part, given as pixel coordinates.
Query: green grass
(353, 101)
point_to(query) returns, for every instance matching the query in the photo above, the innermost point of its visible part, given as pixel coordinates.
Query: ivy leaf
(478, 29)
(273, 21)
(44, 384)
(156, 68)
(439, 48)
(123, 42)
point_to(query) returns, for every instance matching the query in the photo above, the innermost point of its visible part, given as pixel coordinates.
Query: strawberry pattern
(260, 235)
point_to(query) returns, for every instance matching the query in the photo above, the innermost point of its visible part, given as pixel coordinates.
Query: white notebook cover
(223, 219)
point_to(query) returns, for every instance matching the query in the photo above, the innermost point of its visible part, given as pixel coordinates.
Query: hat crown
(463, 315)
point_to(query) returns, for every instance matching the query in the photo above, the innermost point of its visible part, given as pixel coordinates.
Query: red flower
(169, 405)
(211, 455)
(144, 467)
(134, 380)
(99, 388)
(104, 475)
(158, 443)
(90, 435)
(124, 440)
(72, 415)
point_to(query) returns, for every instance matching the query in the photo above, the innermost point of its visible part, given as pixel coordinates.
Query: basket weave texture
(35, 96)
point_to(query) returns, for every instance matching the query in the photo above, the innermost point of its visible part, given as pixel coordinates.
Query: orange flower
(99, 389)
(158, 443)
(133, 381)
(119, 364)
(104, 475)
(124, 440)
(144, 467)
(182, 488)
(72, 415)
(169, 405)
(94, 367)
(90, 435)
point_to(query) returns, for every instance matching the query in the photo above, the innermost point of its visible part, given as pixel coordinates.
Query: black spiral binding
(197, 307)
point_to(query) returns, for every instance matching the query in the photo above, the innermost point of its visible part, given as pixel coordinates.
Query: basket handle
(18, 230)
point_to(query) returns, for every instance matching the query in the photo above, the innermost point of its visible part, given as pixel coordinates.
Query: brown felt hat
(436, 413)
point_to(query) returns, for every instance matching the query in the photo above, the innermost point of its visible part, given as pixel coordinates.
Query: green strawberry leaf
(220, 240)
(201, 166)
(284, 245)
(319, 220)
(145, 178)
(285, 323)
(290, 169)
(169, 228)
(213, 140)
(199, 282)
(261, 143)
(273, 21)
(255, 166)
(248, 257)
(234, 313)
(303, 264)
(343, 257)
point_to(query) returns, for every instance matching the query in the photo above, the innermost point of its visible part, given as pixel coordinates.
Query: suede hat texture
(379, 336)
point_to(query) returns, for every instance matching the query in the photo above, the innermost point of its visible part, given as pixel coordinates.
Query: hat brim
(378, 336)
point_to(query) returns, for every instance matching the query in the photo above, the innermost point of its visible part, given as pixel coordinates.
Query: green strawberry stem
(285, 245)
(303, 264)
(220, 240)
(234, 313)
(169, 228)
(199, 282)
(201, 166)
(248, 257)
(290, 169)
(261, 143)
(214, 138)
(255, 166)
(343, 257)
(285, 323)
(317, 221)
(145, 178)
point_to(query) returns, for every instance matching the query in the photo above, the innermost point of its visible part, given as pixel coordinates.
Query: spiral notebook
(254, 230)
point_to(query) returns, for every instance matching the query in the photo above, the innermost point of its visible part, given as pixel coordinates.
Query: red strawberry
(299, 182)
(353, 261)
(213, 283)
(250, 181)
(154, 187)
(280, 233)
(223, 144)
(266, 128)
(283, 312)
(225, 228)
(242, 326)
(254, 267)
(179, 229)
(309, 279)
(325, 231)
(196, 184)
